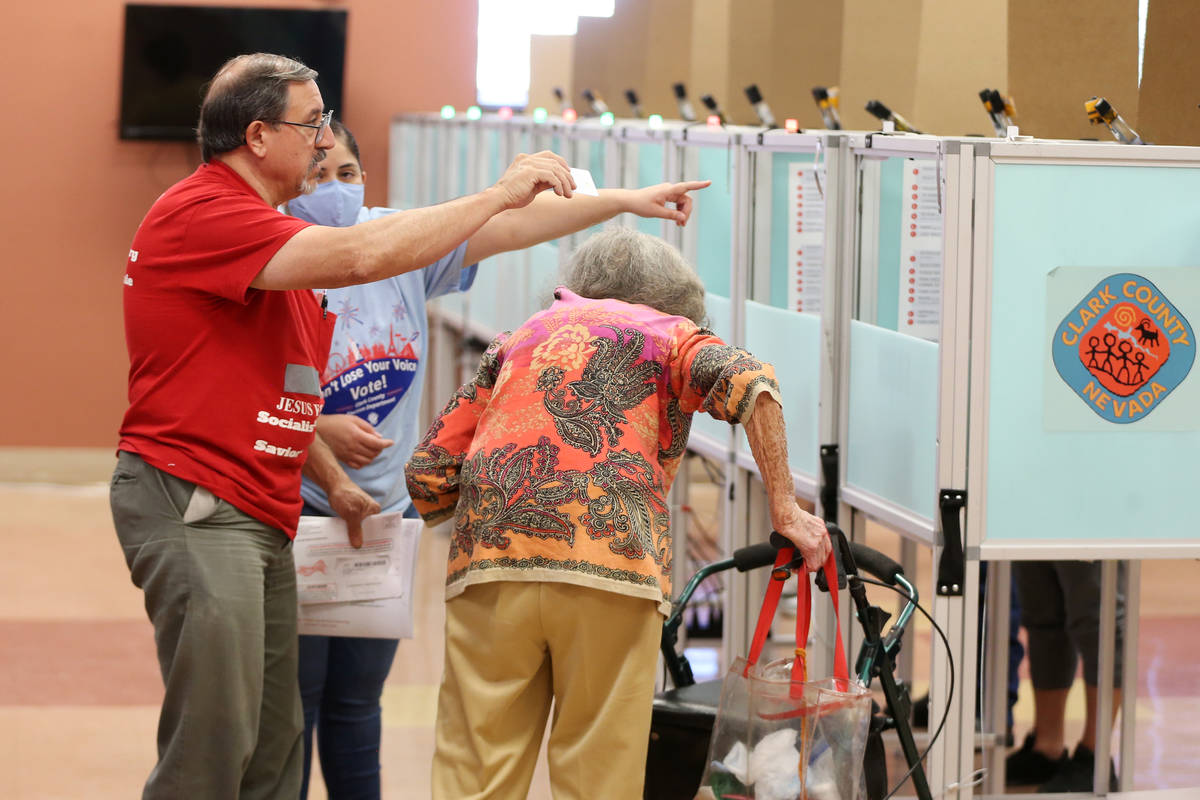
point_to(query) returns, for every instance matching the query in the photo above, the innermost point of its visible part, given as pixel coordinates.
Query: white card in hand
(583, 182)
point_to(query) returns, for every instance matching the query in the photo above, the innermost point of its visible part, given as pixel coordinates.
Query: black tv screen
(171, 52)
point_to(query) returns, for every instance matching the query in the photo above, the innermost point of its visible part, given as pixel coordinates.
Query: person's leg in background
(350, 723)
(314, 664)
(1080, 582)
(495, 695)
(1016, 653)
(1052, 664)
(604, 650)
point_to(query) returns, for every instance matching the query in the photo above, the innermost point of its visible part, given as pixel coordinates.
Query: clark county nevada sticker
(1124, 348)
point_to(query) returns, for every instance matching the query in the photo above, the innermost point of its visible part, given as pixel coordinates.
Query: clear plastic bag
(779, 736)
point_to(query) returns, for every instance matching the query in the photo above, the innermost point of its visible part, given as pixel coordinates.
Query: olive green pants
(220, 589)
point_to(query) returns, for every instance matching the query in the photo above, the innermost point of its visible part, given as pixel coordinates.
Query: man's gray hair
(247, 88)
(624, 264)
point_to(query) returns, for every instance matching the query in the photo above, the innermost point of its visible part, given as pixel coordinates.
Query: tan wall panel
(1060, 54)
(711, 58)
(1167, 112)
(668, 56)
(551, 64)
(610, 54)
(879, 58)
(750, 41)
(806, 51)
(963, 48)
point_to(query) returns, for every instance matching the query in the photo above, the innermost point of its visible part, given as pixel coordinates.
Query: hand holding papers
(348, 591)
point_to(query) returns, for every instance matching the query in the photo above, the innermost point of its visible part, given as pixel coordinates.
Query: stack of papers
(348, 591)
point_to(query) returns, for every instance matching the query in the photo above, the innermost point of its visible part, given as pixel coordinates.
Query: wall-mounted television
(172, 51)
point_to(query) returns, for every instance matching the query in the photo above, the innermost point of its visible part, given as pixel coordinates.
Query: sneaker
(1077, 774)
(1028, 767)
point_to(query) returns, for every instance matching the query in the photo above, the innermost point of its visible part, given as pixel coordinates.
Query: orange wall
(76, 192)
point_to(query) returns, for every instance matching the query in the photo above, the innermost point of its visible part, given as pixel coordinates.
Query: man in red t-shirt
(226, 344)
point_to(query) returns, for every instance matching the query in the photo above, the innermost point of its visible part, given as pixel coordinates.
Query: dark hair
(343, 134)
(246, 88)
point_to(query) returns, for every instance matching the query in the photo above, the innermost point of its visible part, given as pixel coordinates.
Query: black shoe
(1077, 774)
(1028, 767)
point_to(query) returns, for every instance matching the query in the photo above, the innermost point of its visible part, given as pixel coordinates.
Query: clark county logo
(1124, 348)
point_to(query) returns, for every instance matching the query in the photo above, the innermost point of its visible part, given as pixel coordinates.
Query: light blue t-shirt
(376, 366)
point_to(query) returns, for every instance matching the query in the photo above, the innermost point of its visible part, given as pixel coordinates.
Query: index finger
(691, 186)
(354, 532)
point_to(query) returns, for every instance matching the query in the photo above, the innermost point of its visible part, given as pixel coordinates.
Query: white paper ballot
(347, 591)
(583, 181)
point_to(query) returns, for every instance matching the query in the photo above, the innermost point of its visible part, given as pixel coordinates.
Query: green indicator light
(607, 118)
(655, 120)
(447, 112)
(539, 114)
(474, 112)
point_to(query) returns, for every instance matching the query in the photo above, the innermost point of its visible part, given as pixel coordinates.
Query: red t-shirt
(224, 380)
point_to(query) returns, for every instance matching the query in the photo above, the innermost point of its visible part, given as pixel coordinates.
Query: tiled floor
(79, 685)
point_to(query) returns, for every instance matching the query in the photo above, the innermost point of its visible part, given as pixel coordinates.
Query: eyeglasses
(320, 126)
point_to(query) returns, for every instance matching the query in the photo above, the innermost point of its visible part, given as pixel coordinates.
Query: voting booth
(1019, 422)
(984, 345)
(1082, 415)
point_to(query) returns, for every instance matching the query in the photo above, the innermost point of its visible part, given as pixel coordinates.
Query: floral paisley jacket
(555, 461)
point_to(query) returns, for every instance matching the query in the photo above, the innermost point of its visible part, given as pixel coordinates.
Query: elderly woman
(555, 462)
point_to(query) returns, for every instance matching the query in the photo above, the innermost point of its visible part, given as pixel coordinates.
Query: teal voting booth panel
(543, 270)
(591, 155)
(1090, 438)
(891, 438)
(891, 179)
(483, 303)
(462, 161)
(402, 188)
(651, 169)
(880, 237)
(493, 155)
(893, 377)
(713, 219)
(791, 342)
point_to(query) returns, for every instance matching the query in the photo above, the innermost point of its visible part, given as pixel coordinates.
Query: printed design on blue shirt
(369, 379)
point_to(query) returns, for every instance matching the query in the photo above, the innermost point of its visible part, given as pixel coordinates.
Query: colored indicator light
(608, 118)
(791, 125)
(539, 114)
(505, 112)
(714, 121)
(447, 112)
(570, 115)
(474, 112)
(656, 121)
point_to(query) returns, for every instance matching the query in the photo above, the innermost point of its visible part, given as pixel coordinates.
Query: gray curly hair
(624, 264)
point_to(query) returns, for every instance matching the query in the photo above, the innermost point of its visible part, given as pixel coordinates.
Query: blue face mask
(333, 203)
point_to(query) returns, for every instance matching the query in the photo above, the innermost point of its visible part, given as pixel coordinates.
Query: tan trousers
(511, 648)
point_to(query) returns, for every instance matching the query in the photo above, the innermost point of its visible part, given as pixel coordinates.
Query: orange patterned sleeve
(432, 473)
(719, 379)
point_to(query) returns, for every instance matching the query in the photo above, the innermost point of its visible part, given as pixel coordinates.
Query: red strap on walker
(779, 575)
